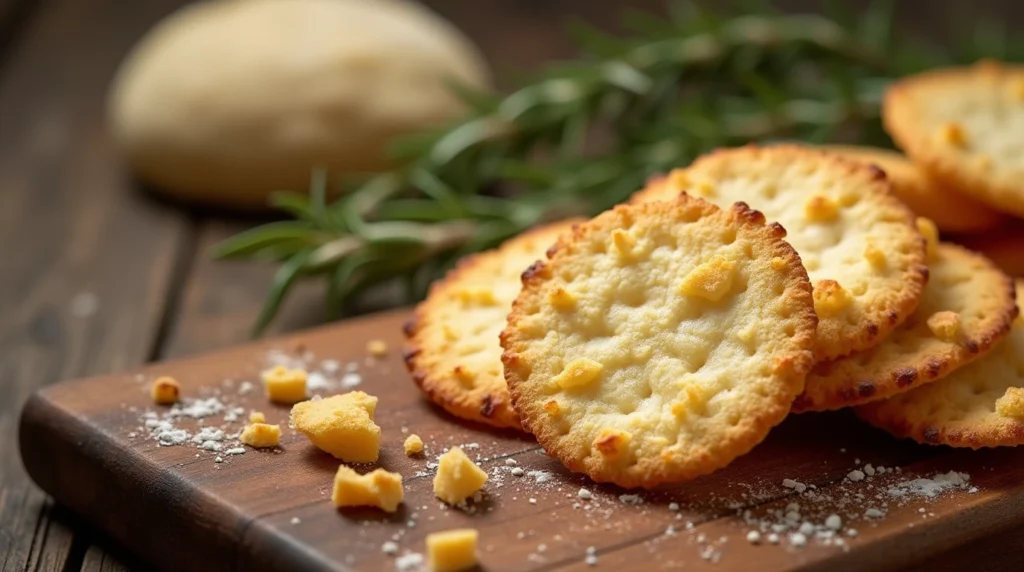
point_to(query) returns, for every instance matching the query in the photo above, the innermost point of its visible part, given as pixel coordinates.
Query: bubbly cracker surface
(861, 248)
(966, 127)
(968, 306)
(979, 405)
(689, 333)
(950, 210)
(453, 352)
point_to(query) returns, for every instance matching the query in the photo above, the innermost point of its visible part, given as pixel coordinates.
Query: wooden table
(97, 276)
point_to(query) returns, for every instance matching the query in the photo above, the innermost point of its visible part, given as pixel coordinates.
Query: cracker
(860, 245)
(967, 308)
(979, 405)
(660, 340)
(452, 349)
(964, 127)
(951, 211)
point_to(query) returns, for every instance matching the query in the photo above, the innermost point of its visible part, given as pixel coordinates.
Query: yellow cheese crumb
(463, 374)
(413, 445)
(377, 488)
(778, 263)
(820, 208)
(691, 398)
(623, 242)
(1017, 89)
(705, 189)
(953, 134)
(1011, 404)
(678, 180)
(931, 234)
(257, 417)
(874, 256)
(945, 325)
(711, 280)
(452, 550)
(449, 333)
(261, 435)
(579, 372)
(611, 443)
(457, 477)
(481, 296)
(377, 348)
(165, 390)
(341, 425)
(830, 298)
(561, 299)
(552, 408)
(285, 385)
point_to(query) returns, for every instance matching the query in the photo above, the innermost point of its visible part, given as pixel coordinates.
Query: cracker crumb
(377, 348)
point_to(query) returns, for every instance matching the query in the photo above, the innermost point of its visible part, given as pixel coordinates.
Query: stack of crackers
(665, 337)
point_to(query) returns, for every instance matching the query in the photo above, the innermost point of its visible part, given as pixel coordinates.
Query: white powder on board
(410, 562)
(930, 487)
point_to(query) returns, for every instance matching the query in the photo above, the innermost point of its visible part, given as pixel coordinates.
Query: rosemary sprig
(586, 134)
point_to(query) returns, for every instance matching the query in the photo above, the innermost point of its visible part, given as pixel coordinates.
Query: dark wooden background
(74, 227)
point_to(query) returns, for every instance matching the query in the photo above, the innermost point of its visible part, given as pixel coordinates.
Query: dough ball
(225, 102)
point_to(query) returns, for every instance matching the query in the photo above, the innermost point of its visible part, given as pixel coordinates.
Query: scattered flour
(930, 487)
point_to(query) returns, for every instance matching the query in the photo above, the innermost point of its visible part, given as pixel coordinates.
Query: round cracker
(949, 210)
(979, 405)
(860, 245)
(967, 307)
(452, 349)
(963, 126)
(660, 340)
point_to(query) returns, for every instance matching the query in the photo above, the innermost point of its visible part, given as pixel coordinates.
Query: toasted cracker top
(966, 127)
(950, 210)
(660, 340)
(860, 245)
(968, 306)
(979, 405)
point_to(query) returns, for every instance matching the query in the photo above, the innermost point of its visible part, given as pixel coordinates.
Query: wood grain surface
(264, 510)
(74, 229)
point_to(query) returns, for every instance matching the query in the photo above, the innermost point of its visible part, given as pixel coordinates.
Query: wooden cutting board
(269, 510)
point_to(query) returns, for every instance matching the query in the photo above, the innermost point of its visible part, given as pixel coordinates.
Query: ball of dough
(225, 102)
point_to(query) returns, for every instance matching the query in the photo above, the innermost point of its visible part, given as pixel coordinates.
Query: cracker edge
(866, 390)
(494, 410)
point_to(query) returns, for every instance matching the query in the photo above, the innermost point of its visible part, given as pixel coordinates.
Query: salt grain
(517, 472)
(754, 537)
(873, 513)
(584, 494)
(631, 499)
(855, 475)
(389, 548)
(798, 540)
(409, 562)
(350, 380)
